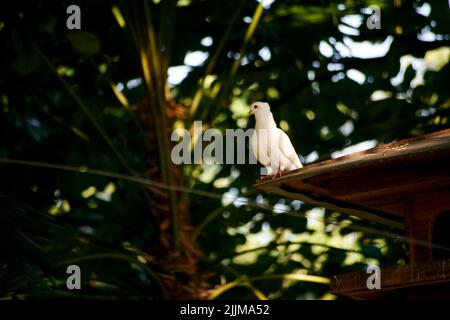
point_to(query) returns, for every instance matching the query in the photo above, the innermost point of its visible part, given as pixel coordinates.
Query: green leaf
(85, 43)
(25, 63)
(48, 25)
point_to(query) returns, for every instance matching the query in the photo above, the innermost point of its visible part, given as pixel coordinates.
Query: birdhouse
(403, 185)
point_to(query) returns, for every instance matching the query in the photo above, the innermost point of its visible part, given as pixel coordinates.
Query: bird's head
(259, 108)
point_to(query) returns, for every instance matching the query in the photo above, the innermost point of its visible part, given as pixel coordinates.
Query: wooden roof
(428, 280)
(374, 184)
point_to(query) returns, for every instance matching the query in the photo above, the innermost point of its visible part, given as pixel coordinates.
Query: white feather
(271, 145)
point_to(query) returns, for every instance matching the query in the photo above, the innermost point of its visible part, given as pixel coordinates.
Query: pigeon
(271, 145)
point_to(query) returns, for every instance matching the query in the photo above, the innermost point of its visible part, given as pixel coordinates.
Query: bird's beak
(250, 112)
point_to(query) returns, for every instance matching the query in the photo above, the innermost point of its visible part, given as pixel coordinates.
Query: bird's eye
(256, 107)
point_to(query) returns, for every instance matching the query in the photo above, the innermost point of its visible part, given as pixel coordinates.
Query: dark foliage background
(99, 99)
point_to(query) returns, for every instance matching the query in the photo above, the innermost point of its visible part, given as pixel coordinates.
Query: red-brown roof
(372, 184)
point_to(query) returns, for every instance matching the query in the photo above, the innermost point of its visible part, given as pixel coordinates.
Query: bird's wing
(259, 149)
(287, 149)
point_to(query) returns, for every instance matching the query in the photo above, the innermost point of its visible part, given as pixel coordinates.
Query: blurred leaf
(85, 43)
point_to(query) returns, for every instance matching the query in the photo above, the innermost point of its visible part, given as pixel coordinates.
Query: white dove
(271, 145)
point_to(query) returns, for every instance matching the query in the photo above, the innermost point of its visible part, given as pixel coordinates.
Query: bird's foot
(277, 175)
(271, 176)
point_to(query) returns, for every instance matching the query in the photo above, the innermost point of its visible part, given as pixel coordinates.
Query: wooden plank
(341, 207)
(393, 278)
(394, 207)
(409, 223)
(402, 174)
(434, 145)
(368, 183)
(389, 193)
